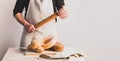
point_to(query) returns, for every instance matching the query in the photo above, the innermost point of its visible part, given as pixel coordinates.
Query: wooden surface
(14, 54)
(46, 20)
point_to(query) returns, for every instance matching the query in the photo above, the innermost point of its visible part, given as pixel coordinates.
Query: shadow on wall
(10, 30)
(8, 35)
(4, 47)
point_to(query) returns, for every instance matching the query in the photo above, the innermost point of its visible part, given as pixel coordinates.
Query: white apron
(37, 11)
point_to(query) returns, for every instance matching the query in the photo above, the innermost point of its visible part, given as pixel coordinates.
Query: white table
(14, 54)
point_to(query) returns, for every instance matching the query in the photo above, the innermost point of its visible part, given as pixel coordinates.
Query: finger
(60, 15)
(61, 12)
(29, 31)
(31, 28)
(63, 9)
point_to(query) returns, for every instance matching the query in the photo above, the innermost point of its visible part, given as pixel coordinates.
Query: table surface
(14, 54)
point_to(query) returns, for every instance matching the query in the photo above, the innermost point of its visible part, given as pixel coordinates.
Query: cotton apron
(37, 11)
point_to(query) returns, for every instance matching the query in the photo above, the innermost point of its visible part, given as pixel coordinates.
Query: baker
(35, 11)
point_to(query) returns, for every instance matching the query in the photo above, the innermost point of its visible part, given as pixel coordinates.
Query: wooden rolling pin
(46, 20)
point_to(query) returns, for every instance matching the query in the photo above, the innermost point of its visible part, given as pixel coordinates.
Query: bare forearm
(30, 27)
(19, 17)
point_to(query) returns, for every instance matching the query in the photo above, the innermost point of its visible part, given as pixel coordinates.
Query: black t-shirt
(21, 4)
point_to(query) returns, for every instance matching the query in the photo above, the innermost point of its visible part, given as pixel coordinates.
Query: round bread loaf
(48, 42)
(59, 47)
(34, 43)
(39, 49)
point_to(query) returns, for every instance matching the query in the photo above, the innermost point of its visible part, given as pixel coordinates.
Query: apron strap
(54, 8)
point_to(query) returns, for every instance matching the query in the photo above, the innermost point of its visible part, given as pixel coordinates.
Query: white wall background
(93, 26)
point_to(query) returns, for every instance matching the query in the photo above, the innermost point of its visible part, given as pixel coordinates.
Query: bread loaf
(47, 42)
(59, 47)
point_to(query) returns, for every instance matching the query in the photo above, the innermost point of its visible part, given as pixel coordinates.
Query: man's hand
(62, 13)
(30, 28)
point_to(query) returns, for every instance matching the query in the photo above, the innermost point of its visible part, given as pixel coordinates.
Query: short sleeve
(58, 3)
(19, 6)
